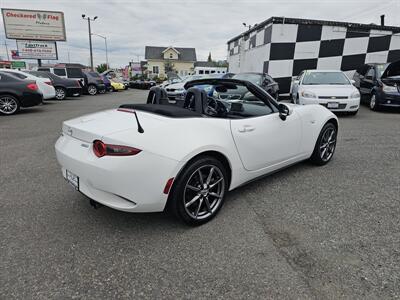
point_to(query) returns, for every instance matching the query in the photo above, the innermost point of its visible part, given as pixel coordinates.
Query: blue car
(107, 82)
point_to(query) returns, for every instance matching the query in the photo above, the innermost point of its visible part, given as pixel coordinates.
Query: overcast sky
(204, 24)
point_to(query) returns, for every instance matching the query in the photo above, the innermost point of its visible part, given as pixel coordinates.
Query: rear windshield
(319, 78)
(74, 73)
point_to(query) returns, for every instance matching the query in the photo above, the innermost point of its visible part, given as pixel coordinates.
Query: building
(283, 47)
(161, 60)
(206, 67)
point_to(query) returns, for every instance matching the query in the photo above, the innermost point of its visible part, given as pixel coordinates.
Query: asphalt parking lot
(306, 232)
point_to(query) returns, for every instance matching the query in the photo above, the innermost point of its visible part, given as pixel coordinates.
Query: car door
(264, 140)
(367, 80)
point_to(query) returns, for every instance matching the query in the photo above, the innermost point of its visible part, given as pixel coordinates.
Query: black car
(93, 83)
(379, 84)
(16, 93)
(64, 87)
(263, 80)
(142, 84)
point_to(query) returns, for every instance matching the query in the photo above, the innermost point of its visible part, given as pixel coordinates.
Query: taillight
(32, 86)
(101, 149)
(49, 83)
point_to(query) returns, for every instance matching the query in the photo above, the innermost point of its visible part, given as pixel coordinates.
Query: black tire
(9, 105)
(193, 204)
(373, 103)
(103, 91)
(353, 113)
(92, 89)
(61, 93)
(324, 147)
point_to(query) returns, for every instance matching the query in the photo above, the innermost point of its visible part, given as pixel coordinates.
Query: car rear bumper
(128, 183)
(345, 105)
(31, 99)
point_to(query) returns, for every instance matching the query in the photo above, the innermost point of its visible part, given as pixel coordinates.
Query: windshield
(319, 78)
(253, 78)
(380, 69)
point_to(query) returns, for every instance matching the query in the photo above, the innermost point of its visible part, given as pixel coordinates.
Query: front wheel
(199, 192)
(325, 145)
(373, 103)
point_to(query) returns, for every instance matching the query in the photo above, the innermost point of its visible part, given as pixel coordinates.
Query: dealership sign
(24, 24)
(18, 65)
(37, 49)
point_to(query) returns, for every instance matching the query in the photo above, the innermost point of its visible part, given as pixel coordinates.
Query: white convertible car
(186, 156)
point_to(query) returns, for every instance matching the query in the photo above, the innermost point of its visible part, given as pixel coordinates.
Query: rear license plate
(72, 179)
(333, 105)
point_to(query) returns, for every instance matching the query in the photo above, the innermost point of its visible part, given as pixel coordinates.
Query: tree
(101, 68)
(209, 59)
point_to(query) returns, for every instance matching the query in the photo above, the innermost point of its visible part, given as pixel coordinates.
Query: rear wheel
(325, 145)
(92, 89)
(9, 105)
(61, 93)
(199, 192)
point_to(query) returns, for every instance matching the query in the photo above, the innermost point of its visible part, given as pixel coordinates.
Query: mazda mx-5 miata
(186, 155)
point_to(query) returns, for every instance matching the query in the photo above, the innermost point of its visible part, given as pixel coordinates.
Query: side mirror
(369, 77)
(296, 81)
(284, 111)
(353, 82)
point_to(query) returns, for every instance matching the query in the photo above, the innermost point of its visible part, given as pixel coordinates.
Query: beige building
(161, 60)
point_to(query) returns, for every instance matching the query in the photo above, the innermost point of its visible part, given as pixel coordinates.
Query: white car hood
(179, 85)
(330, 90)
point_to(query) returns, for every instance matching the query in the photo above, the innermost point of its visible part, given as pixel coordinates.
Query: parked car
(16, 93)
(116, 86)
(93, 83)
(142, 84)
(176, 91)
(266, 82)
(106, 82)
(66, 72)
(379, 84)
(202, 150)
(64, 87)
(329, 88)
(45, 85)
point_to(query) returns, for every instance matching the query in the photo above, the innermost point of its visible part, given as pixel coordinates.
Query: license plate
(72, 179)
(333, 105)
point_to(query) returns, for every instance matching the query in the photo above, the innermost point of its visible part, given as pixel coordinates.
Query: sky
(203, 24)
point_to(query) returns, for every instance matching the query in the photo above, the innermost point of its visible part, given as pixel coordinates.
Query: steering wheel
(215, 107)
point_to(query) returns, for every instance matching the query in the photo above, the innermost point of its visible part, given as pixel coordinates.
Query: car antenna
(139, 127)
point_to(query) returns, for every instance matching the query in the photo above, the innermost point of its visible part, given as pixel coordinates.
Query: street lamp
(248, 26)
(105, 42)
(90, 38)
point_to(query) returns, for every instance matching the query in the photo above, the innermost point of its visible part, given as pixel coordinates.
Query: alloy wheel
(204, 192)
(327, 144)
(8, 105)
(372, 103)
(60, 94)
(92, 90)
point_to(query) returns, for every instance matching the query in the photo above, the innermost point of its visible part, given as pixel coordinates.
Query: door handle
(246, 128)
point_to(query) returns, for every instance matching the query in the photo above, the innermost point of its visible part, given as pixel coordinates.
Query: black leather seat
(196, 100)
(157, 95)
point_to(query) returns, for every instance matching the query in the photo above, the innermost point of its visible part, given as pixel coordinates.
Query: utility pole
(105, 42)
(90, 38)
(8, 55)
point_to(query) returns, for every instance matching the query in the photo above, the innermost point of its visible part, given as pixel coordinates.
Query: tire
(92, 89)
(61, 93)
(9, 105)
(102, 91)
(196, 200)
(325, 145)
(373, 103)
(353, 113)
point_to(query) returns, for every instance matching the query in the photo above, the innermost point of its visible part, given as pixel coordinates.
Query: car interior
(217, 99)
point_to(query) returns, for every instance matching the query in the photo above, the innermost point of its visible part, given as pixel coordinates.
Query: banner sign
(21, 24)
(18, 65)
(37, 49)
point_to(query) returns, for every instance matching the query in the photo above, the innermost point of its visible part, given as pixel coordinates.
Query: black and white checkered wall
(284, 50)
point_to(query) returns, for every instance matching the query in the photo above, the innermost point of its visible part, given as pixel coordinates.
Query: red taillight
(49, 83)
(32, 86)
(168, 185)
(100, 149)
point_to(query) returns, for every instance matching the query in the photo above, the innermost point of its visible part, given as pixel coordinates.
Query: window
(155, 69)
(60, 72)
(320, 78)
(206, 72)
(371, 73)
(236, 101)
(171, 55)
(212, 71)
(22, 76)
(74, 73)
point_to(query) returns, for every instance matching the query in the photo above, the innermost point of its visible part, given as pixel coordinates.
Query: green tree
(101, 68)
(209, 59)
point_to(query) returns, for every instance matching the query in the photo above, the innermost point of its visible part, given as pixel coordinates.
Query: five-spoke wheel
(325, 145)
